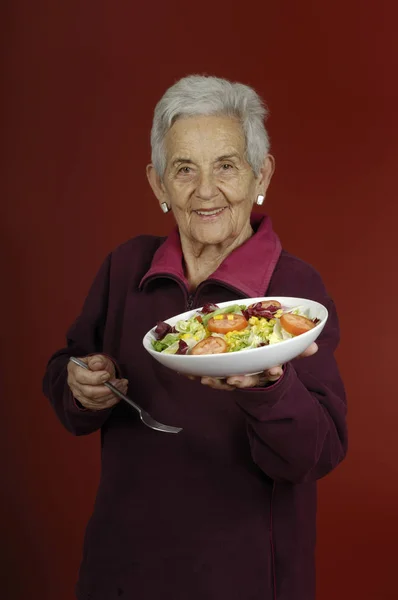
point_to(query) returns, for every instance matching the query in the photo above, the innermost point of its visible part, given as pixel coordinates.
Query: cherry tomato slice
(230, 322)
(268, 303)
(295, 324)
(210, 345)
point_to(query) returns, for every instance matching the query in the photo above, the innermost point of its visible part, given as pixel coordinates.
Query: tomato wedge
(295, 324)
(210, 345)
(226, 323)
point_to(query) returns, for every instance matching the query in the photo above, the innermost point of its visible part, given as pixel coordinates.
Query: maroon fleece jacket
(226, 509)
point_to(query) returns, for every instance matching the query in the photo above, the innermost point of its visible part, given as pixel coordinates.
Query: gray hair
(198, 95)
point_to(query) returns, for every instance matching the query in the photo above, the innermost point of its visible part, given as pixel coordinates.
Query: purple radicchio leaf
(162, 329)
(209, 308)
(182, 347)
(258, 310)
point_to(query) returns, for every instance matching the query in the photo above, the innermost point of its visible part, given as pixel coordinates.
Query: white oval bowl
(243, 362)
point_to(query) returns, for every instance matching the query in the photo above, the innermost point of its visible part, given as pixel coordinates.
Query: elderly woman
(227, 508)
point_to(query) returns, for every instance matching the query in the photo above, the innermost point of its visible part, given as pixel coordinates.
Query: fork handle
(123, 397)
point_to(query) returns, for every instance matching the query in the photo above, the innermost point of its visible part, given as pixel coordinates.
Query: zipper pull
(190, 301)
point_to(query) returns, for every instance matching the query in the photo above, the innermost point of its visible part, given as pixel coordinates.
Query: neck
(201, 260)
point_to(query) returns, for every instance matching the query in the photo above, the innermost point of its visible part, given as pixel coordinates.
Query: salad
(215, 330)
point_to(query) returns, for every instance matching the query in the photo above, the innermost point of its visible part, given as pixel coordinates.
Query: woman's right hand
(87, 385)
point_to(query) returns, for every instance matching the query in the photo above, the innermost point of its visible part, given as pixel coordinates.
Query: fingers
(87, 385)
(258, 380)
(244, 381)
(101, 369)
(103, 404)
(274, 373)
(84, 377)
(216, 384)
(97, 392)
(250, 381)
(99, 397)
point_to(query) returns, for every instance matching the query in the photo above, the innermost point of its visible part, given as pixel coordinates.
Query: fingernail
(105, 377)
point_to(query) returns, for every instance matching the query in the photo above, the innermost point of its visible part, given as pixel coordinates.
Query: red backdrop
(80, 83)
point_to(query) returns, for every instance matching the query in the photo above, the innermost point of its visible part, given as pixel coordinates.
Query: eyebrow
(227, 157)
(178, 161)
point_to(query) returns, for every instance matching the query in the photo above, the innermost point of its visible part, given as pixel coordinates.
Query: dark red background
(81, 80)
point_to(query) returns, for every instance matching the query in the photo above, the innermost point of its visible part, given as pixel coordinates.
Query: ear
(265, 175)
(156, 184)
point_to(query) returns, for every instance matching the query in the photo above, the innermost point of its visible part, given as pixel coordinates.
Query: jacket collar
(248, 268)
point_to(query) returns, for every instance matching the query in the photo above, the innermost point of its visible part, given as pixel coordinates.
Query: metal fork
(144, 416)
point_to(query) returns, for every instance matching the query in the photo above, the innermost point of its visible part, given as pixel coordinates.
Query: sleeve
(83, 338)
(297, 426)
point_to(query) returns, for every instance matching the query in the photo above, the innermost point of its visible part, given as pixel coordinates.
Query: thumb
(313, 349)
(98, 362)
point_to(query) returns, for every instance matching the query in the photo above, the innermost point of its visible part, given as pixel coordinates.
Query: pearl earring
(165, 207)
(260, 200)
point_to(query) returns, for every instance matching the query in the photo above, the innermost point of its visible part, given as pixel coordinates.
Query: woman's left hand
(251, 381)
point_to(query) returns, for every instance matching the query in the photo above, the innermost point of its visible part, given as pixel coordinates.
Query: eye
(226, 167)
(185, 170)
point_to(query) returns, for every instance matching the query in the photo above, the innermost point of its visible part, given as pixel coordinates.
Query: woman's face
(208, 182)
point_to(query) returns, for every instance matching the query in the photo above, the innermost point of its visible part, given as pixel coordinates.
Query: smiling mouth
(209, 213)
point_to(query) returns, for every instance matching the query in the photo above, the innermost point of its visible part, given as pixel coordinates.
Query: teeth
(209, 212)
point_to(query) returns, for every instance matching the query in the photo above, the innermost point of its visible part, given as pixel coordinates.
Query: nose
(206, 188)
